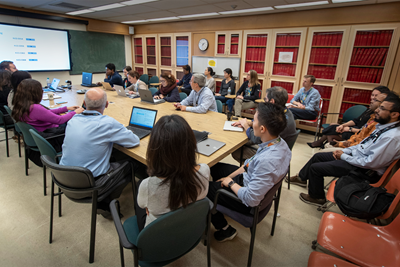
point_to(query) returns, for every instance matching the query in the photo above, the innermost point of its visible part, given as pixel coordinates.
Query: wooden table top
(230, 96)
(260, 100)
(155, 83)
(120, 108)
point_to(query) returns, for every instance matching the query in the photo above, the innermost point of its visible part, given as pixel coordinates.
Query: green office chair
(154, 79)
(153, 90)
(18, 131)
(45, 148)
(182, 95)
(6, 127)
(144, 78)
(29, 143)
(166, 239)
(219, 105)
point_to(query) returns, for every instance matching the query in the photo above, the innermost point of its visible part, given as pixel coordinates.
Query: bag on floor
(356, 198)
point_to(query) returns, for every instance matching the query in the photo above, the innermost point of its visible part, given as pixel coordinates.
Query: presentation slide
(34, 49)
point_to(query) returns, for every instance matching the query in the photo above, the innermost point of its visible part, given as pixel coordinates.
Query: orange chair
(359, 242)
(393, 167)
(318, 259)
(290, 97)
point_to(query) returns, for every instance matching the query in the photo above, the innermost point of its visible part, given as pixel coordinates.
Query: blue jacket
(114, 79)
(172, 96)
(185, 81)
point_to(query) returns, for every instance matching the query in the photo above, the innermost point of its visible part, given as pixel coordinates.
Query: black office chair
(78, 184)
(255, 216)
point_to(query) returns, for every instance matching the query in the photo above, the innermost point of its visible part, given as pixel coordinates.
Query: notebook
(228, 127)
(142, 121)
(209, 146)
(87, 80)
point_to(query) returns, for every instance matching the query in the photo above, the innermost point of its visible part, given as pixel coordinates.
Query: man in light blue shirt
(305, 104)
(375, 153)
(201, 98)
(258, 175)
(88, 143)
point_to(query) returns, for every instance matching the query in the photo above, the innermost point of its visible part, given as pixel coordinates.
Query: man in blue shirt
(305, 104)
(371, 157)
(184, 83)
(258, 175)
(88, 142)
(112, 77)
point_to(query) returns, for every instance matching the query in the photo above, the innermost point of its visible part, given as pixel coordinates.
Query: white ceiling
(170, 8)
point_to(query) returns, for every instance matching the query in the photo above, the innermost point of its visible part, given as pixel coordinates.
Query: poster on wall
(212, 62)
(285, 57)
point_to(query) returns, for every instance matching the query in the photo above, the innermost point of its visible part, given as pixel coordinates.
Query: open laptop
(87, 80)
(121, 92)
(142, 121)
(54, 86)
(209, 146)
(146, 96)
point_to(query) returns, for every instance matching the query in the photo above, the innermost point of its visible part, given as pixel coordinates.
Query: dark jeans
(221, 98)
(219, 171)
(230, 103)
(187, 91)
(303, 114)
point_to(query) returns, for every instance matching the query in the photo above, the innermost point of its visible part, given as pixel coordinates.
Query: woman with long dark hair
(5, 89)
(168, 89)
(16, 78)
(226, 84)
(175, 179)
(210, 82)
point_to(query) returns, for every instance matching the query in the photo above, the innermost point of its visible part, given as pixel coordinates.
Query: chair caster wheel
(314, 247)
(314, 242)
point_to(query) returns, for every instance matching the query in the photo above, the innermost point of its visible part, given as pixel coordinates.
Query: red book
(369, 40)
(318, 39)
(380, 56)
(379, 38)
(375, 75)
(365, 56)
(359, 52)
(361, 56)
(364, 38)
(370, 74)
(357, 40)
(339, 39)
(334, 39)
(384, 58)
(374, 62)
(372, 57)
(379, 76)
(373, 41)
(323, 40)
(388, 37)
(314, 40)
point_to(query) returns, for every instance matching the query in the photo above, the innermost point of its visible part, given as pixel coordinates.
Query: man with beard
(371, 157)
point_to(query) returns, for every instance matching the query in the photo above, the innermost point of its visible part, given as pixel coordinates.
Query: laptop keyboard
(138, 131)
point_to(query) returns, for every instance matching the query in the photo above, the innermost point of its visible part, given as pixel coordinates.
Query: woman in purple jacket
(168, 89)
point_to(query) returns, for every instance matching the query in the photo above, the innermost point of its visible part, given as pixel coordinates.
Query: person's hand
(99, 83)
(243, 122)
(239, 97)
(177, 105)
(337, 154)
(156, 97)
(237, 124)
(183, 108)
(346, 143)
(217, 94)
(161, 96)
(79, 110)
(72, 107)
(225, 181)
(250, 123)
(301, 106)
(339, 129)
(131, 92)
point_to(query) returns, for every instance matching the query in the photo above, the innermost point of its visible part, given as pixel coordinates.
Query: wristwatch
(350, 129)
(231, 183)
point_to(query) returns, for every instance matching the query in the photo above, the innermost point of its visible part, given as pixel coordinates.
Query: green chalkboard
(91, 51)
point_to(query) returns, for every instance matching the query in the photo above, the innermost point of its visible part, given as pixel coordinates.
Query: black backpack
(356, 198)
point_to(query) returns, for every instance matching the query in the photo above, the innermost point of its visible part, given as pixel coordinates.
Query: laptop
(121, 92)
(209, 146)
(107, 86)
(142, 121)
(228, 127)
(146, 96)
(87, 80)
(54, 86)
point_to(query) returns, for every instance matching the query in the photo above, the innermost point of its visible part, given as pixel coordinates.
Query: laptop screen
(86, 78)
(143, 117)
(55, 83)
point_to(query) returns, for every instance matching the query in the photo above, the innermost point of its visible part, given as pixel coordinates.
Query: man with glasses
(201, 98)
(371, 157)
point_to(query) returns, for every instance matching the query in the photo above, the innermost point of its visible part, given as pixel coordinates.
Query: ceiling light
(84, 11)
(303, 4)
(168, 18)
(134, 21)
(100, 8)
(343, 1)
(135, 2)
(246, 10)
(199, 15)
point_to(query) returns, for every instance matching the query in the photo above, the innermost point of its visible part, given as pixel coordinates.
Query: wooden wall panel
(210, 36)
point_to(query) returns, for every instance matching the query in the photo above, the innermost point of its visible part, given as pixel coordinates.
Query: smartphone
(62, 102)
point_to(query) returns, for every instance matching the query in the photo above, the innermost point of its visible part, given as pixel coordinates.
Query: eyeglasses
(384, 109)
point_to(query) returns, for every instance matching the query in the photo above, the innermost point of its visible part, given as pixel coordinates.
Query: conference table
(120, 108)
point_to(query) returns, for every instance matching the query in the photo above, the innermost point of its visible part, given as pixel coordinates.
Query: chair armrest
(331, 113)
(226, 193)
(54, 136)
(123, 239)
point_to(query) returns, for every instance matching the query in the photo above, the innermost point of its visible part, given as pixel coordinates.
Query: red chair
(318, 119)
(290, 97)
(318, 259)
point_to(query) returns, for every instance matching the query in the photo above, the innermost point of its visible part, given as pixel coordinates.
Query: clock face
(203, 44)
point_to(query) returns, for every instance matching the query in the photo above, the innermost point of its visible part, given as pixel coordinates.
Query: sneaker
(225, 235)
(312, 201)
(296, 181)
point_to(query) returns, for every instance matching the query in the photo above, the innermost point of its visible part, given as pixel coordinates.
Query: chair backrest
(182, 95)
(144, 78)
(44, 146)
(154, 79)
(353, 112)
(290, 97)
(7, 108)
(293, 140)
(269, 197)
(393, 187)
(219, 105)
(174, 233)
(75, 182)
(388, 174)
(1, 119)
(153, 90)
(24, 127)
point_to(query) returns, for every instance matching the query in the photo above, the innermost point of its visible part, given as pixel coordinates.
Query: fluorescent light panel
(199, 15)
(159, 19)
(135, 2)
(84, 11)
(344, 1)
(134, 21)
(303, 4)
(246, 10)
(100, 8)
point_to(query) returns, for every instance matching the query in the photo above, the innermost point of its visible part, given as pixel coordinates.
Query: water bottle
(48, 82)
(229, 90)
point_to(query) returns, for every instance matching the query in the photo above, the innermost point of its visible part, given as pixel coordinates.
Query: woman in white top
(210, 82)
(175, 179)
(133, 78)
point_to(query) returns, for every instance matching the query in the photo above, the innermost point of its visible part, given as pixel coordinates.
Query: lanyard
(269, 145)
(376, 135)
(198, 96)
(305, 95)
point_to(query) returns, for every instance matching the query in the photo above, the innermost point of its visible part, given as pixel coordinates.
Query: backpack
(356, 198)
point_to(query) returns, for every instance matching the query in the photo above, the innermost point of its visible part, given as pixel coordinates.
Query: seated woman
(16, 78)
(170, 185)
(168, 89)
(210, 82)
(47, 122)
(127, 83)
(136, 83)
(247, 94)
(226, 83)
(5, 89)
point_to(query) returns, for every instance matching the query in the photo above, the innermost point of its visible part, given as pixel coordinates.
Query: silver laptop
(228, 127)
(146, 96)
(209, 146)
(121, 92)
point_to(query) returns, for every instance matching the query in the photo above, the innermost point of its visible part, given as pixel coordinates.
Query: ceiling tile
(300, 1)
(135, 9)
(171, 4)
(88, 3)
(265, 3)
(159, 14)
(101, 14)
(125, 18)
(196, 10)
(213, 1)
(227, 6)
(24, 3)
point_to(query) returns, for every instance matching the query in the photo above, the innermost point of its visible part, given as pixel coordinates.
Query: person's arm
(314, 101)
(143, 197)
(116, 79)
(130, 88)
(142, 85)
(180, 81)
(120, 135)
(39, 113)
(187, 82)
(59, 110)
(212, 85)
(242, 88)
(174, 96)
(233, 87)
(250, 134)
(296, 98)
(255, 95)
(205, 103)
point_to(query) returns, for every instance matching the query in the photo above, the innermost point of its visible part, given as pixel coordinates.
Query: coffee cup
(50, 95)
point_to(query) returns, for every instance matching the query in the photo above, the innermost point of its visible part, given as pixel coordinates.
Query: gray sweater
(210, 83)
(224, 87)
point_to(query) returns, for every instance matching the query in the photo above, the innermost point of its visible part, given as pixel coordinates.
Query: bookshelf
(228, 44)
(256, 49)
(151, 51)
(138, 50)
(287, 85)
(165, 51)
(287, 44)
(139, 69)
(151, 72)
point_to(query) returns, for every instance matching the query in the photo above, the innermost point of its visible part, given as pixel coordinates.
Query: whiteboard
(199, 64)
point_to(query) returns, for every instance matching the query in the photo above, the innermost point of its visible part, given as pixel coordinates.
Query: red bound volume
(339, 39)
(371, 57)
(376, 58)
(334, 39)
(379, 76)
(314, 41)
(323, 40)
(373, 41)
(318, 39)
(369, 40)
(380, 57)
(364, 40)
(365, 57)
(384, 58)
(379, 38)
(360, 56)
(330, 40)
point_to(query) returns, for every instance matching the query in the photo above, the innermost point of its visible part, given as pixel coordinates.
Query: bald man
(89, 139)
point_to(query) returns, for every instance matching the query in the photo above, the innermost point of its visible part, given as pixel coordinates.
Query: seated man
(336, 132)
(375, 153)
(184, 83)
(89, 139)
(258, 175)
(275, 95)
(112, 77)
(8, 65)
(201, 97)
(305, 104)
